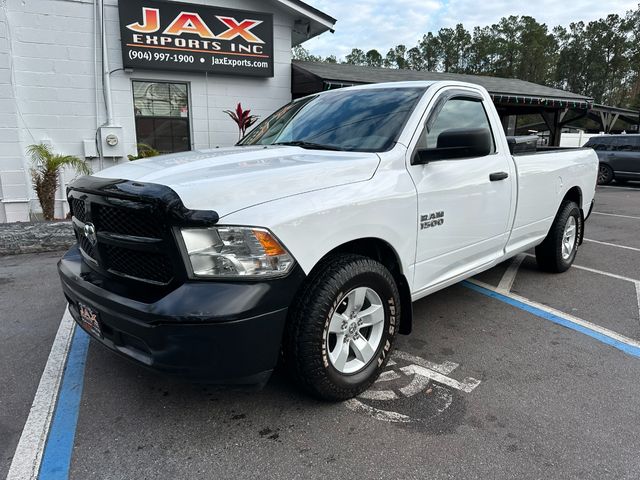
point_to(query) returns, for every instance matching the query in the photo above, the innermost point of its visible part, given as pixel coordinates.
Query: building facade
(172, 70)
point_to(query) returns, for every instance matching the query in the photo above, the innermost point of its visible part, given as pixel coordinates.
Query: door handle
(494, 177)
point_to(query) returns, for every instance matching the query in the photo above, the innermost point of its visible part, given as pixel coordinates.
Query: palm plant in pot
(243, 119)
(45, 174)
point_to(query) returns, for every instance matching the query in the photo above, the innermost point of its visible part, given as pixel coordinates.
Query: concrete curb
(35, 237)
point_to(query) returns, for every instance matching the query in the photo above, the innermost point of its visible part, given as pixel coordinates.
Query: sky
(382, 24)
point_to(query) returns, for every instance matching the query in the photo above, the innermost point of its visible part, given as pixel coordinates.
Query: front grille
(140, 246)
(86, 246)
(155, 267)
(126, 221)
(78, 209)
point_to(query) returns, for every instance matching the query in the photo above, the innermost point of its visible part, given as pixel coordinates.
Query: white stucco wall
(49, 92)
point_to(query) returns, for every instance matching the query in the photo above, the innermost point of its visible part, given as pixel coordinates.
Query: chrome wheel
(569, 237)
(355, 330)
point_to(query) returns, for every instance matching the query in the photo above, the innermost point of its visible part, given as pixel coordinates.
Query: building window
(162, 115)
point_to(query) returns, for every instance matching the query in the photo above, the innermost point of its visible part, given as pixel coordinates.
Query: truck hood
(230, 179)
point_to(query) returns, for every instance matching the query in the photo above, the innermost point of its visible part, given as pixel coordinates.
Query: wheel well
(379, 250)
(575, 195)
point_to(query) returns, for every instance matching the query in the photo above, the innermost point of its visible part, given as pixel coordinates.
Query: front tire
(558, 250)
(341, 327)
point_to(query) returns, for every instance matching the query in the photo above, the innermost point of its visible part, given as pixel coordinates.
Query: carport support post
(608, 120)
(509, 124)
(553, 120)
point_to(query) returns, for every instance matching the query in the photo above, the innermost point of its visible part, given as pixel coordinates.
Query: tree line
(600, 59)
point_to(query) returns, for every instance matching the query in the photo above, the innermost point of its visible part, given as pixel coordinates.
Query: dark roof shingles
(357, 74)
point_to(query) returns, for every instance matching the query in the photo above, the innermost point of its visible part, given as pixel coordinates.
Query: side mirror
(457, 143)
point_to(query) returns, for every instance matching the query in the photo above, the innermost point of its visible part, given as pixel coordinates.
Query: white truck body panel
(543, 181)
(315, 201)
(385, 207)
(229, 179)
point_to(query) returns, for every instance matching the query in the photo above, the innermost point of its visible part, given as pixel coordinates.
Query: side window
(599, 143)
(626, 144)
(596, 144)
(608, 144)
(457, 113)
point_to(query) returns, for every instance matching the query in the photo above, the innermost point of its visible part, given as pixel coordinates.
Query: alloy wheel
(355, 330)
(569, 237)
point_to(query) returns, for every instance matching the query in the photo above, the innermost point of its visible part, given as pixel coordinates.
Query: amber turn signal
(271, 246)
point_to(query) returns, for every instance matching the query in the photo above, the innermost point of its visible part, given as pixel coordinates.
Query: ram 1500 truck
(310, 239)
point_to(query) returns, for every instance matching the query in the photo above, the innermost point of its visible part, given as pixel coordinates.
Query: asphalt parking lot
(521, 374)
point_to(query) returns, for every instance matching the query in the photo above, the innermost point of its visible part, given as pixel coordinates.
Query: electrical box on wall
(90, 149)
(111, 141)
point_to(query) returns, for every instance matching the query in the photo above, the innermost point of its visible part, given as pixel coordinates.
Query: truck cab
(310, 239)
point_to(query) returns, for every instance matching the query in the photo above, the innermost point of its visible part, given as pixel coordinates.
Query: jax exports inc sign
(184, 36)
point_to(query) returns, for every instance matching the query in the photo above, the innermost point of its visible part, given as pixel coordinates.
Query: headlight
(229, 252)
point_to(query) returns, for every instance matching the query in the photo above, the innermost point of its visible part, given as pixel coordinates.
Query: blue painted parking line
(56, 458)
(601, 334)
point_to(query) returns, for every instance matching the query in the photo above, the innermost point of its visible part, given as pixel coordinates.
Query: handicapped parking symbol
(406, 377)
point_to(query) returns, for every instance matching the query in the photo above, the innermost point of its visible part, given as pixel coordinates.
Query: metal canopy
(512, 97)
(607, 116)
(308, 76)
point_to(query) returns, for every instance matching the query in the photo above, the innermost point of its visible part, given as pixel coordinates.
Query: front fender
(312, 224)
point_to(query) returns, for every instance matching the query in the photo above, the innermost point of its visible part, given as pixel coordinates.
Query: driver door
(464, 204)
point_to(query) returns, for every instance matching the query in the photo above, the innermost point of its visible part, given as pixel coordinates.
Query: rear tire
(558, 250)
(605, 174)
(330, 349)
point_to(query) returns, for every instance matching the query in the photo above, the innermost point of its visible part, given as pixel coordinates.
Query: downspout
(106, 80)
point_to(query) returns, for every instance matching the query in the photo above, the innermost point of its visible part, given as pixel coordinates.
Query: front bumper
(219, 332)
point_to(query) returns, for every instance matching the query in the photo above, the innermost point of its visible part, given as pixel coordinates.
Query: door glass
(162, 115)
(457, 113)
(596, 143)
(608, 144)
(624, 143)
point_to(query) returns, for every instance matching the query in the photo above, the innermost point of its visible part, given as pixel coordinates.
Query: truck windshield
(367, 120)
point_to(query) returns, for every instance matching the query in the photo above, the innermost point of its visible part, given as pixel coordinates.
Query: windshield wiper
(310, 145)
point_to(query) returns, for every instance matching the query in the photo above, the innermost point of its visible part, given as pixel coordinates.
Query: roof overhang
(505, 92)
(627, 112)
(309, 21)
(608, 115)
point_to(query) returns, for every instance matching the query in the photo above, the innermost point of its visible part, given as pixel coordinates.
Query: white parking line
(601, 272)
(635, 281)
(506, 282)
(28, 456)
(638, 297)
(617, 337)
(612, 245)
(606, 187)
(615, 215)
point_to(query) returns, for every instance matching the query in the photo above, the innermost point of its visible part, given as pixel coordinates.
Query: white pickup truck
(310, 239)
